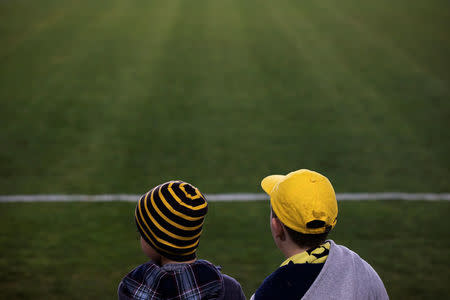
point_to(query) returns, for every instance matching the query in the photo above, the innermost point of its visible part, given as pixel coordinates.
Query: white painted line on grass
(232, 197)
(394, 196)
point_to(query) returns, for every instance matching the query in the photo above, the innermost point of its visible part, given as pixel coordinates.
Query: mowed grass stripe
(404, 72)
(346, 106)
(122, 111)
(117, 97)
(427, 19)
(83, 111)
(365, 108)
(36, 17)
(408, 115)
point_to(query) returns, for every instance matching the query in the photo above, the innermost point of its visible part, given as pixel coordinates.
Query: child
(169, 219)
(304, 210)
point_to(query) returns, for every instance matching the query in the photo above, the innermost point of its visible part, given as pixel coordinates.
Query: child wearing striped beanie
(170, 219)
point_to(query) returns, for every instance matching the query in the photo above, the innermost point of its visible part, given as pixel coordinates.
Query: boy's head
(304, 203)
(170, 218)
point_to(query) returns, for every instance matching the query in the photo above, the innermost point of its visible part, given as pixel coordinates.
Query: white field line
(223, 197)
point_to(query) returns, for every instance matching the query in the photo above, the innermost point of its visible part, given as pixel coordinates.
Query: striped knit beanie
(170, 218)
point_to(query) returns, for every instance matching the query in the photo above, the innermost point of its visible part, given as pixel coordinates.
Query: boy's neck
(165, 261)
(290, 249)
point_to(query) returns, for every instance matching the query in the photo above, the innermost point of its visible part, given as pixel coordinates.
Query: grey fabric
(347, 276)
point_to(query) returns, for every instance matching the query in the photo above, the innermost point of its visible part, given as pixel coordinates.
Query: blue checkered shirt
(193, 281)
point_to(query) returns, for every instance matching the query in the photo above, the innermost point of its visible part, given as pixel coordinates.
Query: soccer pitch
(117, 96)
(108, 97)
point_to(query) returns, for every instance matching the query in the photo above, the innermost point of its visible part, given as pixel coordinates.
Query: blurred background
(110, 97)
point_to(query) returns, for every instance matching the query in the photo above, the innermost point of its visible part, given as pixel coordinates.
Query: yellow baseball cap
(303, 200)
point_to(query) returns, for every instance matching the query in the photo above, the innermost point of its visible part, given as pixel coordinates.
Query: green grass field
(82, 250)
(117, 96)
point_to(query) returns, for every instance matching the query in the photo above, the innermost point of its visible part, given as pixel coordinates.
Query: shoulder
(343, 255)
(134, 281)
(142, 272)
(288, 282)
(347, 266)
(232, 288)
(228, 280)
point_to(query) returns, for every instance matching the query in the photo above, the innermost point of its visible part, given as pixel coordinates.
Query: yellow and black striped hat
(170, 218)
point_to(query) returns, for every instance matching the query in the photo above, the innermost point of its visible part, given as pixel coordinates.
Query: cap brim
(269, 182)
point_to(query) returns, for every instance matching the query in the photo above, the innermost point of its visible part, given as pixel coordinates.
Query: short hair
(304, 240)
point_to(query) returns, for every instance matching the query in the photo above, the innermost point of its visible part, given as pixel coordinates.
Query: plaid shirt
(194, 281)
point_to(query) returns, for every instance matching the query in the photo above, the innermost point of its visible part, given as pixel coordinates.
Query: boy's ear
(278, 229)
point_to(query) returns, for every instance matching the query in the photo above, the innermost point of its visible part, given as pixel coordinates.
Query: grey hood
(345, 275)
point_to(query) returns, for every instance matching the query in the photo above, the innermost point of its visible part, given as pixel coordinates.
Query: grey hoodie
(345, 275)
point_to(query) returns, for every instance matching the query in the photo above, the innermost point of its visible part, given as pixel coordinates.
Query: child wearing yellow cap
(304, 210)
